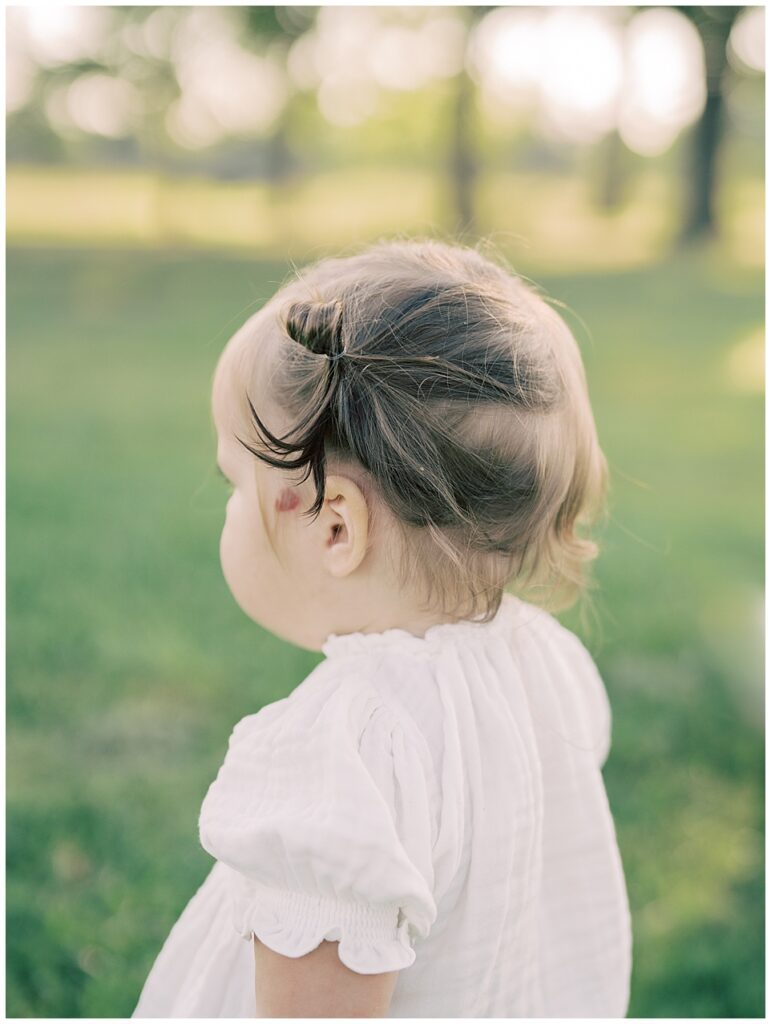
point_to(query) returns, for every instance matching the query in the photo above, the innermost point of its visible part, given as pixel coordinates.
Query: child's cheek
(288, 500)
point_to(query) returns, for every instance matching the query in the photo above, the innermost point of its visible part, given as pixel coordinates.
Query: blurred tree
(463, 162)
(612, 172)
(714, 26)
(613, 165)
(277, 28)
(463, 165)
(142, 50)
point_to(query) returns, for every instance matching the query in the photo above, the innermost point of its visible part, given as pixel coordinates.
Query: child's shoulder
(340, 714)
(348, 691)
(547, 646)
(537, 622)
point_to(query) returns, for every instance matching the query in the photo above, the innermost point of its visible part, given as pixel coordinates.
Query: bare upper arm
(317, 985)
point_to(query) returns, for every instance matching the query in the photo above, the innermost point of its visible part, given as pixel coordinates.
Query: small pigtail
(318, 328)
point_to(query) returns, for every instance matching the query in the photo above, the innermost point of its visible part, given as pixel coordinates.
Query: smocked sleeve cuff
(373, 938)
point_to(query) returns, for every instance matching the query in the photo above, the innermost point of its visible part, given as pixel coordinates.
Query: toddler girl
(421, 828)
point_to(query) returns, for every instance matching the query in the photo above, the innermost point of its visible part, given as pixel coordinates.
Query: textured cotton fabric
(434, 803)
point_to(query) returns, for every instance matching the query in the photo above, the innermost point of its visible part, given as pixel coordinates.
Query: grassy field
(129, 663)
(552, 218)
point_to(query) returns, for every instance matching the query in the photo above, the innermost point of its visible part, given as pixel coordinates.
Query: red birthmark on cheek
(287, 500)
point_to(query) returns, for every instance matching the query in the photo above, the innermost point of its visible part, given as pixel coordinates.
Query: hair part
(459, 394)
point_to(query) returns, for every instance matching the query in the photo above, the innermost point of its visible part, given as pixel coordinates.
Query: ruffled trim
(434, 637)
(372, 939)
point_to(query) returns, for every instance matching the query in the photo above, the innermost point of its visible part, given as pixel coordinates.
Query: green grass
(129, 663)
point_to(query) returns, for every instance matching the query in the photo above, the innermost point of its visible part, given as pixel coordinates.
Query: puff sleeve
(596, 709)
(321, 808)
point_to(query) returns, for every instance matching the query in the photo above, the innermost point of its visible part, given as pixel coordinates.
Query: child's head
(408, 432)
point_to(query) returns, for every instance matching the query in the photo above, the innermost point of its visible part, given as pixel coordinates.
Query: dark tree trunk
(700, 199)
(463, 166)
(612, 174)
(462, 163)
(280, 163)
(714, 26)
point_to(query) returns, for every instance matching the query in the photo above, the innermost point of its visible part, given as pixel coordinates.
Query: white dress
(434, 803)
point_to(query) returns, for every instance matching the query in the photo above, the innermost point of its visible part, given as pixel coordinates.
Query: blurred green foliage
(129, 663)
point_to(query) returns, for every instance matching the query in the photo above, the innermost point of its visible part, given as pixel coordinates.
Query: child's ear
(345, 525)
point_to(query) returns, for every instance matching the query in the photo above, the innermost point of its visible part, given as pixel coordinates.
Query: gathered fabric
(435, 805)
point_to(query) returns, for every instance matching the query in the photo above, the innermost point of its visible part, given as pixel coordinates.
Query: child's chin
(292, 634)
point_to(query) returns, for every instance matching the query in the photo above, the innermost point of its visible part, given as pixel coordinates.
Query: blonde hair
(460, 396)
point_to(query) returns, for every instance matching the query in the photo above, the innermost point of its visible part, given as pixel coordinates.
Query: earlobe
(346, 527)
